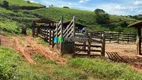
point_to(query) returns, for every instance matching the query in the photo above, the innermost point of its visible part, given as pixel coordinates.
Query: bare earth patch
(26, 46)
(128, 52)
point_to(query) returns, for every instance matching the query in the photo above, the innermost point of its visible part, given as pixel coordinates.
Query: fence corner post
(103, 44)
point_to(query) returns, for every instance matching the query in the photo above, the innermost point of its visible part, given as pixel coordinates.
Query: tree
(101, 16)
(5, 4)
(124, 24)
(28, 2)
(65, 7)
(99, 11)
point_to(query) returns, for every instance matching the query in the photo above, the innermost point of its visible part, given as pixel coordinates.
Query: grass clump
(58, 72)
(14, 67)
(105, 70)
(9, 26)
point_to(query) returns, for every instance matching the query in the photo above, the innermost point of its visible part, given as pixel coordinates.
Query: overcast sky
(118, 7)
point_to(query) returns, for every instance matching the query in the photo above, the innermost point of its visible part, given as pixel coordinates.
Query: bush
(9, 26)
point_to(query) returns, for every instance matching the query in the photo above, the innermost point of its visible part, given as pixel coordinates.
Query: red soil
(26, 46)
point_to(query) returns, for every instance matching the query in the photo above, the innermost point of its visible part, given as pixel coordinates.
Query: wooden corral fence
(93, 45)
(76, 43)
(48, 35)
(116, 37)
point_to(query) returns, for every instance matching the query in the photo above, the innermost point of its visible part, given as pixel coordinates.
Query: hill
(21, 3)
(47, 62)
(84, 17)
(23, 12)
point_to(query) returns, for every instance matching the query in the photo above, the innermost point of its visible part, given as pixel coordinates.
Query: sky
(116, 7)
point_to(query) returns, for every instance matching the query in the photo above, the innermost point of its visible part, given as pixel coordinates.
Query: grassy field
(21, 3)
(86, 18)
(14, 67)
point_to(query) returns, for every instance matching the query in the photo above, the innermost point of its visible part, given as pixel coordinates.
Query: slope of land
(25, 16)
(21, 3)
(47, 64)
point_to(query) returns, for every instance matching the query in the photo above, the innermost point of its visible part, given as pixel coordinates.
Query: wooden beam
(62, 47)
(139, 42)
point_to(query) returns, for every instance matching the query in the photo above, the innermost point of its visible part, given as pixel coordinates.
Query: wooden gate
(89, 44)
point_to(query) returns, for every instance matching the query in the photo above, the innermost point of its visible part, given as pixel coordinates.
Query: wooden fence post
(57, 35)
(89, 45)
(62, 47)
(74, 25)
(0, 41)
(128, 38)
(53, 35)
(46, 35)
(103, 45)
(37, 31)
(50, 37)
(118, 37)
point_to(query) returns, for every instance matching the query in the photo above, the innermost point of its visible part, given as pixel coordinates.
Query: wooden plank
(96, 50)
(68, 27)
(77, 49)
(97, 46)
(98, 41)
(69, 34)
(80, 45)
(100, 37)
(67, 31)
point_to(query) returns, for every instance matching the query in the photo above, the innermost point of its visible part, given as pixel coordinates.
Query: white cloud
(83, 1)
(132, 7)
(32, 1)
(138, 3)
(119, 7)
(116, 9)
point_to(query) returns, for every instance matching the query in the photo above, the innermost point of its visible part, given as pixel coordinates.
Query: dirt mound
(26, 46)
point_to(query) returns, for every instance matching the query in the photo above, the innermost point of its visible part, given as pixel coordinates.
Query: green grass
(106, 70)
(21, 3)
(86, 18)
(58, 72)
(14, 67)
(9, 26)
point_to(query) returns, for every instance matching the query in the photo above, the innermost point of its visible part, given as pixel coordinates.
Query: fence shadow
(114, 56)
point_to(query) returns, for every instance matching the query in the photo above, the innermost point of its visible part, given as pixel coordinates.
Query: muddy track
(27, 46)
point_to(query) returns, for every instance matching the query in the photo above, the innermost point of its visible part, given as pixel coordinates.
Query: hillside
(21, 3)
(84, 17)
(24, 12)
(23, 57)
